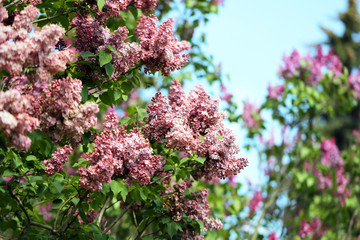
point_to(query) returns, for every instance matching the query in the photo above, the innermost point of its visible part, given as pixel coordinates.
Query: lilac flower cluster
(59, 108)
(314, 230)
(251, 116)
(354, 81)
(19, 50)
(255, 201)
(160, 50)
(274, 92)
(118, 153)
(193, 124)
(58, 159)
(16, 119)
(196, 208)
(310, 68)
(331, 157)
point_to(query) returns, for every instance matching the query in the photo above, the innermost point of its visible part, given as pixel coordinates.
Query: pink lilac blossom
(341, 182)
(274, 92)
(19, 50)
(226, 96)
(16, 119)
(119, 153)
(193, 124)
(272, 236)
(331, 156)
(251, 116)
(325, 182)
(46, 211)
(314, 230)
(58, 159)
(160, 50)
(59, 108)
(310, 68)
(255, 201)
(196, 208)
(354, 81)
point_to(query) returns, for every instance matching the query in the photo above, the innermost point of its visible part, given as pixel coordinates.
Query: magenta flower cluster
(330, 154)
(119, 153)
(354, 81)
(59, 108)
(311, 68)
(160, 50)
(314, 230)
(274, 92)
(251, 116)
(16, 119)
(255, 201)
(58, 159)
(20, 50)
(196, 208)
(193, 124)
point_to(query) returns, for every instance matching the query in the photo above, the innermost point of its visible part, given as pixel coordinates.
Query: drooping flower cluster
(118, 153)
(274, 92)
(58, 159)
(226, 96)
(251, 116)
(196, 208)
(354, 81)
(21, 51)
(325, 182)
(331, 156)
(59, 108)
(310, 68)
(160, 50)
(272, 236)
(341, 181)
(255, 201)
(15, 118)
(194, 124)
(314, 230)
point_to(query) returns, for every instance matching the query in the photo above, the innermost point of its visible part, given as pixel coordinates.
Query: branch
(58, 213)
(50, 18)
(13, 3)
(118, 218)
(142, 231)
(103, 211)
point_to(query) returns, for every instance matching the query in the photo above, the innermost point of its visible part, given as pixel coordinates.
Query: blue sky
(249, 38)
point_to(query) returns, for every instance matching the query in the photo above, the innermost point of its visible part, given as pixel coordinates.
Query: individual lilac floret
(310, 68)
(193, 124)
(119, 153)
(58, 159)
(160, 50)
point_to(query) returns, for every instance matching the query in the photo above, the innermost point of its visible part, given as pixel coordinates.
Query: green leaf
(118, 186)
(104, 57)
(100, 4)
(8, 173)
(131, 110)
(87, 54)
(109, 69)
(58, 186)
(81, 161)
(84, 93)
(124, 120)
(184, 160)
(112, 49)
(172, 228)
(31, 158)
(136, 80)
(142, 194)
(200, 159)
(56, 204)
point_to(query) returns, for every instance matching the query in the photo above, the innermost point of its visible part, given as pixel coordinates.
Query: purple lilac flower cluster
(314, 230)
(193, 124)
(196, 208)
(59, 108)
(58, 159)
(311, 68)
(119, 153)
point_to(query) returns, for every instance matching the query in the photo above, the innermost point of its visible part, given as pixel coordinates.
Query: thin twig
(58, 213)
(118, 218)
(142, 231)
(12, 4)
(50, 18)
(103, 211)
